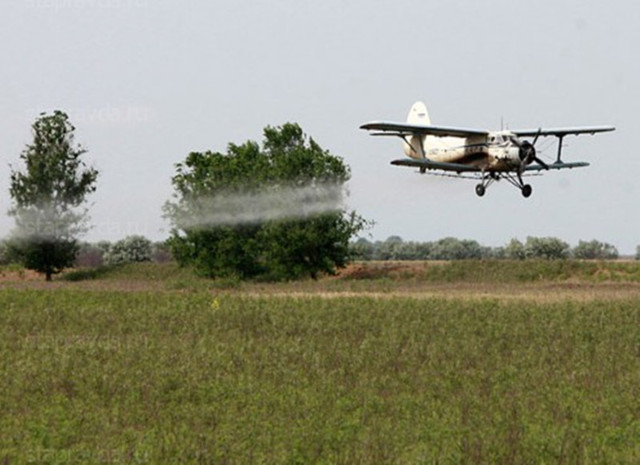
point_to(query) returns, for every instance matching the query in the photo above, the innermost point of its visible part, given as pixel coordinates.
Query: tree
(595, 250)
(451, 248)
(390, 249)
(48, 197)
(271, 210)
(362, 249)
(550, 248)
(515, 250)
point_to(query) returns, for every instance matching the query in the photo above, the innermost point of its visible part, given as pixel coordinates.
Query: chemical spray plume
(257, 206)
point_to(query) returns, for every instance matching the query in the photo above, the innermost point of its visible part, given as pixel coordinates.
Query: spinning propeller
(527, 152)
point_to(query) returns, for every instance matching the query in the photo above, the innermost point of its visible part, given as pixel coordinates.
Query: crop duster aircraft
(486, 156)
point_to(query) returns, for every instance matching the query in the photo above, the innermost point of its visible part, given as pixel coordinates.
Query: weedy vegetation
(178, 369)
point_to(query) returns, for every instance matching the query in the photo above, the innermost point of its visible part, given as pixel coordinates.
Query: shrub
(128, 250)
(595, 250)
(550, 248)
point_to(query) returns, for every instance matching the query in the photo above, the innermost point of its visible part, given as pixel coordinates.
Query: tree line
(451, 248)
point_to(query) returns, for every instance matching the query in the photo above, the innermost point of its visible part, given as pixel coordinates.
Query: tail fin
(417, 115)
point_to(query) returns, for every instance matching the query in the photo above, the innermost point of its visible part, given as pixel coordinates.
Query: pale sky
(145, 82)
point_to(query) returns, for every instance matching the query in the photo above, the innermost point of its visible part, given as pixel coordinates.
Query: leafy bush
(550, 248)
(8, 254)
(128, 250)
(595, 250)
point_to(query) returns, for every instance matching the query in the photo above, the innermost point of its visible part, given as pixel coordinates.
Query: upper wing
(557, 166)
(406, 129)
(435, 165)
(561, 132)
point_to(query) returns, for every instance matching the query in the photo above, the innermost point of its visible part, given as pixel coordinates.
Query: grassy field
(477, 362)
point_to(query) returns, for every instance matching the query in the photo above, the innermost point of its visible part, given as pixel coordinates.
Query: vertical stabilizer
(417, 115)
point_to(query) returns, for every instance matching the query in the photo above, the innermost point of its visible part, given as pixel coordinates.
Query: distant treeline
(140, 249)
(450, 248)
(91, 255)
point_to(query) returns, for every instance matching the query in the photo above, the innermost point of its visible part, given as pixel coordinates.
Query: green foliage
(549, 248)
(195, 378)
(450, 248)
(8, 254)
(129, 250)
(515, 250)
(48, 196)
(394, 248)
(595, 250)
(362, 249)
(87, 274)
(280, 248)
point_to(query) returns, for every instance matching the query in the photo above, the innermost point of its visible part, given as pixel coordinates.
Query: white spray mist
(253, 206)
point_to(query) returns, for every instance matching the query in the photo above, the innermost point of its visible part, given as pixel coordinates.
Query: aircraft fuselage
(500, 151)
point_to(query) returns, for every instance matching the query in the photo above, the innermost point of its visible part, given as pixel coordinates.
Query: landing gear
(487, 180)
(514, 179)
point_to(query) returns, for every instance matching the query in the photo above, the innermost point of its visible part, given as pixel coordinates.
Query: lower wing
(460, 168)
(436, 165)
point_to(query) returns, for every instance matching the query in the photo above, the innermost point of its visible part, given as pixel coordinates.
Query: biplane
(487, 156)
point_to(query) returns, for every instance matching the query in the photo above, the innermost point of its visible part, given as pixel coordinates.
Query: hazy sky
(148, 81)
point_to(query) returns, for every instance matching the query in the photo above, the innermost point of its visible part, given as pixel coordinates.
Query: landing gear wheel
(526, 190)
(480, 190)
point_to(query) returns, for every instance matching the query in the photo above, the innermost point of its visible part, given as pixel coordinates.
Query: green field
(483, 362)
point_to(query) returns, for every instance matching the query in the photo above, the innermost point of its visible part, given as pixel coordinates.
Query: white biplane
(486, 156)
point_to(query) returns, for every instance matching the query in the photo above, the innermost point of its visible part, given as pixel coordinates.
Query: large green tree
(271, 210)
(48, 196)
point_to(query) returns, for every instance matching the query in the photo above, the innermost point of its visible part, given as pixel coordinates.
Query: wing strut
(420, 151)
(560, 137)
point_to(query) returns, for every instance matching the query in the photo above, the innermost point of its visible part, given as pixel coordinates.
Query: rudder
(418, 114)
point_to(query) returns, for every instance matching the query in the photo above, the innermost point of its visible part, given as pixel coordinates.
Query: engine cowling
(527, 153)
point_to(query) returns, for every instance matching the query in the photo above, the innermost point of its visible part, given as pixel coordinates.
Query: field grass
(149, 364)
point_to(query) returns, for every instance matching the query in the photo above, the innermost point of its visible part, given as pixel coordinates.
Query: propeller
(527, 152)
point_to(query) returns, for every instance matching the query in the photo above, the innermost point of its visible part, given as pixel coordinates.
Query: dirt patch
(20, 276)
